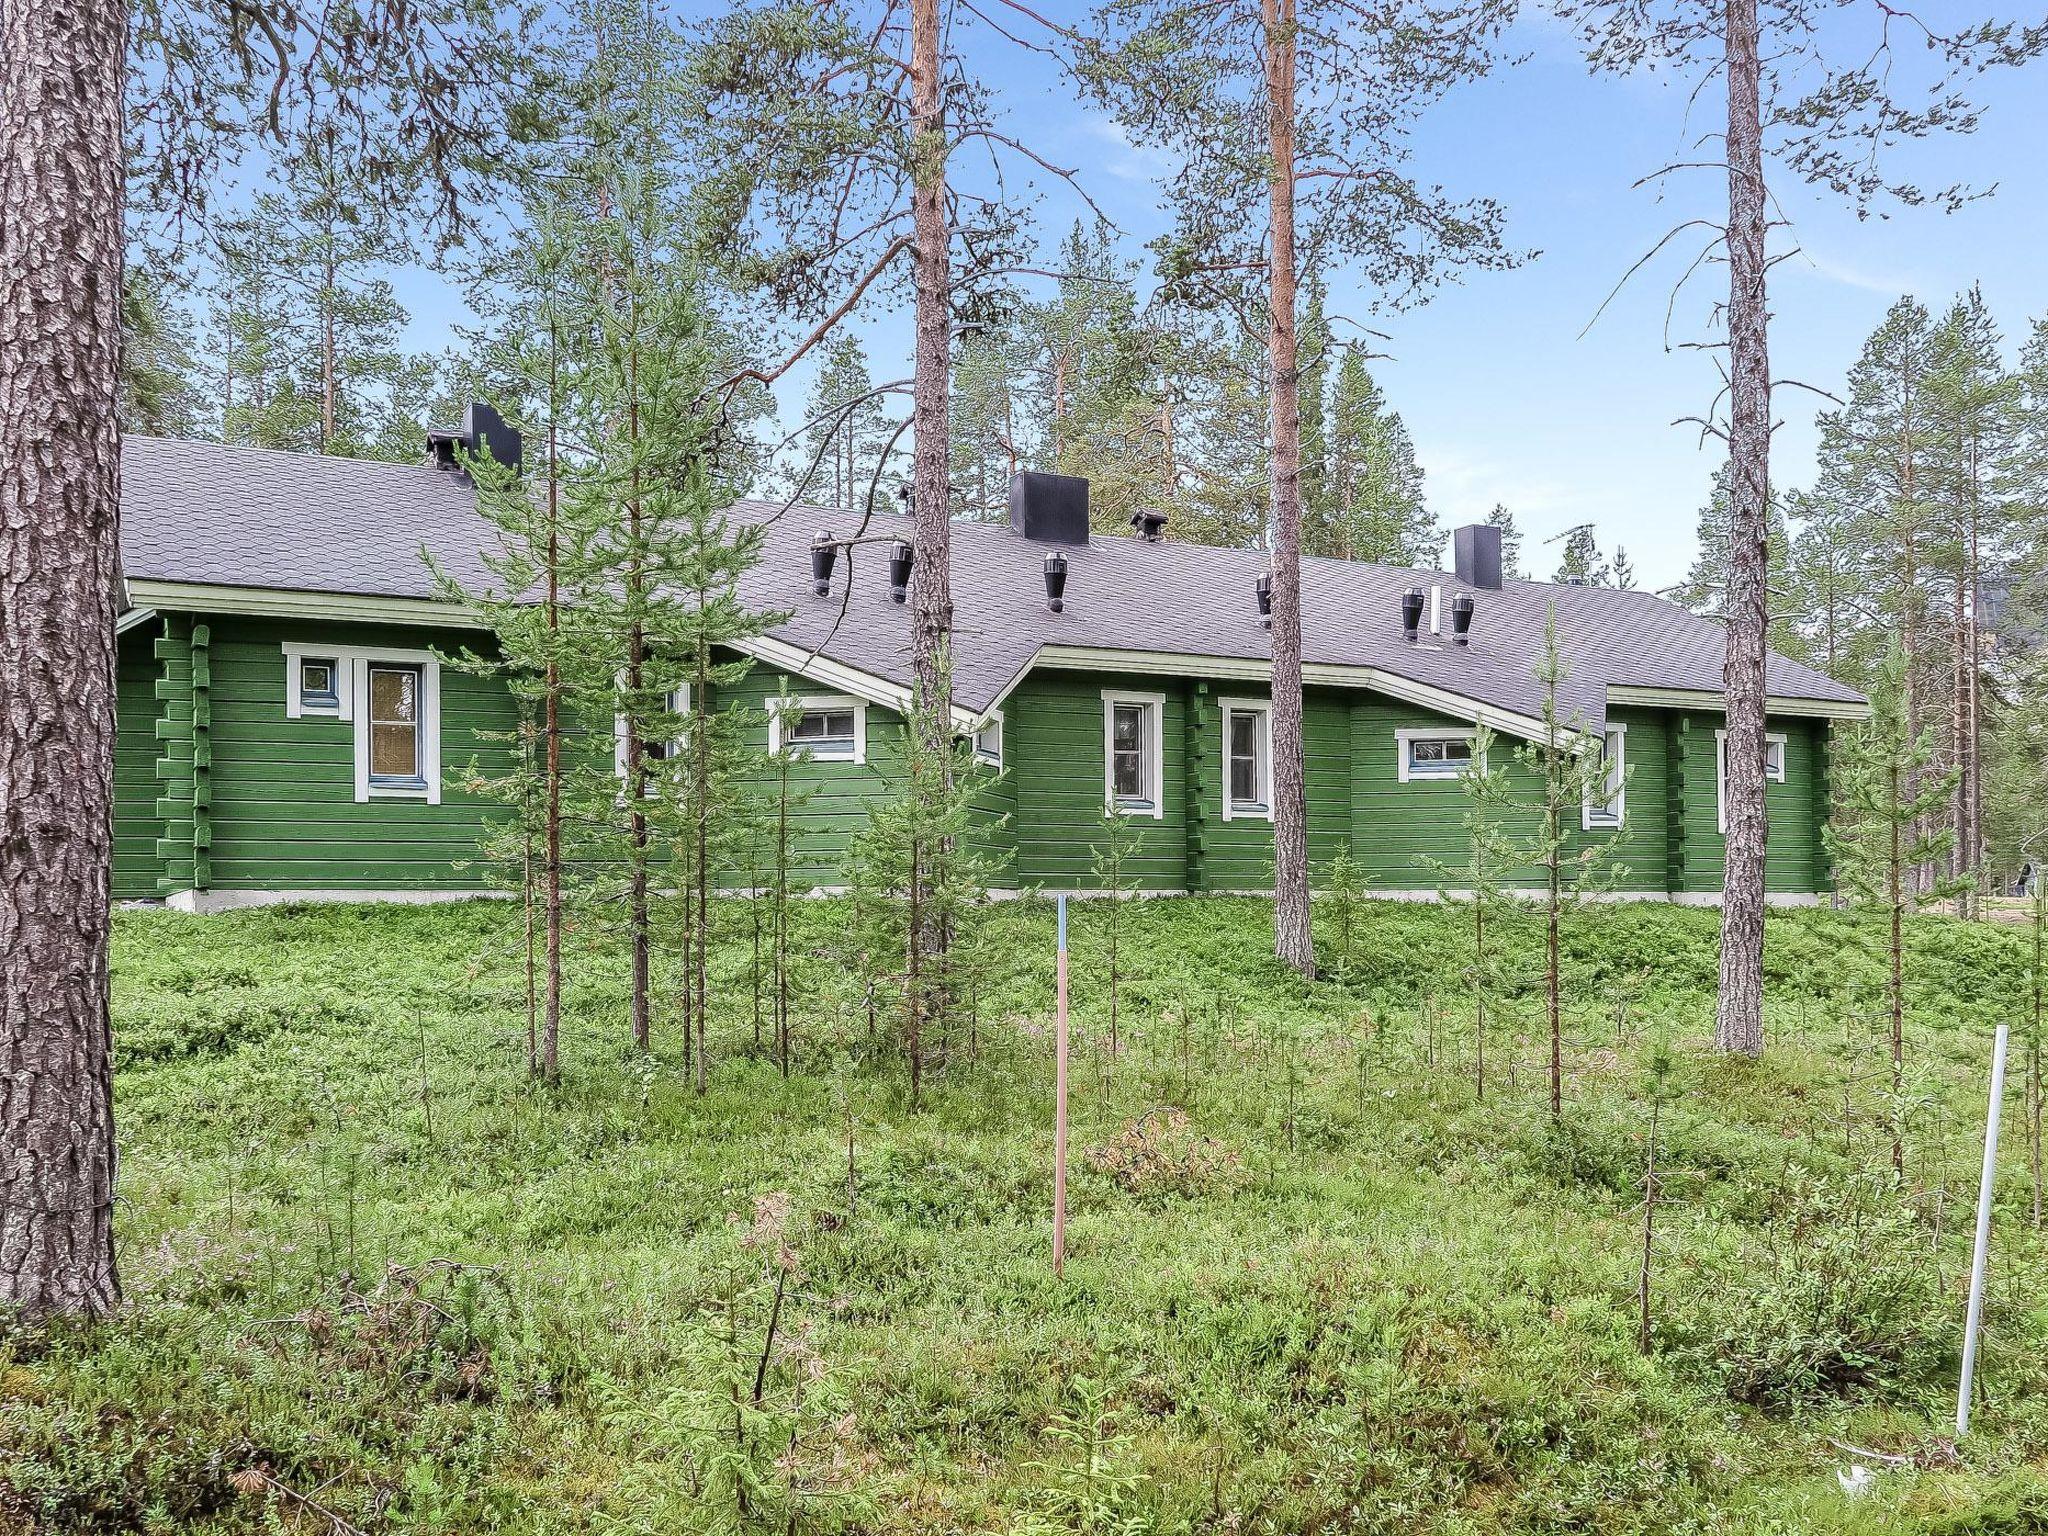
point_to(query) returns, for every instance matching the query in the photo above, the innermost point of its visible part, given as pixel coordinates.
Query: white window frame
(296, 654)
(1404, 742)
(1262, 709)
(352, 684)
(678, 704)
(1771, 775)
(429, 667)
(1609, 814)
(983, 754)
(820, 701)
(1152, 753)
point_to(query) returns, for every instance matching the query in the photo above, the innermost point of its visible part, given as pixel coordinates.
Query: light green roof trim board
(283, 603)
(836, 674)
(1704, 699)
(1315, 674)
(131, 618)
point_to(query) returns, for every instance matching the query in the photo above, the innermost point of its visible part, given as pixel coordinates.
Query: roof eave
(1713, 702)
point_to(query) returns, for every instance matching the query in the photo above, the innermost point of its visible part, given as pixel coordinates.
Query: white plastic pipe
(1983, 1253)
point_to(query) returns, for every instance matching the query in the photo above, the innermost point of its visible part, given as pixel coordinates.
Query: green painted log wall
(136, 823)
(217, 789)
(1053, 721)
(284, 814)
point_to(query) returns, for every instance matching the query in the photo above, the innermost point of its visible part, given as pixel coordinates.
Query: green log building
(288, 729)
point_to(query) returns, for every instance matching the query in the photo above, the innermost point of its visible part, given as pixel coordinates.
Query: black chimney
(1411, 613)
(899, 570)
(1475, 552)
(1266, 601)
(484, 434)
(1053, 509)
(824, 551)
(1461, 618)
(1056, 582)
(1148, 524)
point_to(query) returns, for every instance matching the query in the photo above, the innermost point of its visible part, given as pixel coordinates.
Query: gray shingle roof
(198, 512)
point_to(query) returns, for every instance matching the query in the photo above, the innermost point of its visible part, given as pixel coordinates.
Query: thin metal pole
(1983, 1252)
(1059, 1150)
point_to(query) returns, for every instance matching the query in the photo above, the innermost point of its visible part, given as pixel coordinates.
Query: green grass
(369, 1264)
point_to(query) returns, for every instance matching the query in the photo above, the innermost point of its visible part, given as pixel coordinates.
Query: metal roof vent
(1461, 618)
(824, 553)
(899, 570)
(1056, 582)
(1411, 613)
(1053, 509)
(1148, 524)
(1266, 601)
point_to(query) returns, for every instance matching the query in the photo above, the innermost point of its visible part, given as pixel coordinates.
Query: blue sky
(1505, 398)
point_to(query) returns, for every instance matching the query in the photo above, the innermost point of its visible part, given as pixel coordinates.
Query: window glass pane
(823, 725)
(393, 752)
(316, 680)
(1129, 727)
(394, 722)
(394, 694)
(1774, 759)
(1128, 777)
(1439, 755)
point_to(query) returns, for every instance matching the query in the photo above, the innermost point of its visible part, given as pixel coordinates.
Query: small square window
(319, 682)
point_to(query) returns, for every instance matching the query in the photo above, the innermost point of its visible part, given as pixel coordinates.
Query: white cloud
(1849, 275)
(1128, 161)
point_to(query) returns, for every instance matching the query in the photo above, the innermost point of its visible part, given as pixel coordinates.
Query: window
(316, 681)
(1606, 805)
(395, 744)
(1247, 759)
(652, 753)
(1131, 753)
(1774, 771)
(392, 698)
(319, 684)
(1433, 754)
(988, 742)
(828, 729)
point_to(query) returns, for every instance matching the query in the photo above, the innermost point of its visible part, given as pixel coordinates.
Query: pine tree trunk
(638, 918)
(61, 75)
(931, 499)
(551, 850)
(700, 794)
(1739, 1024)
(1293, 940)
(1895, 980)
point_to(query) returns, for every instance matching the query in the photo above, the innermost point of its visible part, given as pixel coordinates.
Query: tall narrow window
(395, 760)
(1132, 755)
(988, 742)
(1774, 770)
(1247, 759)
(1605, 804)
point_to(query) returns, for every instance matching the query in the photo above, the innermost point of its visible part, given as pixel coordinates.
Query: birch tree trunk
(931, 494)
(61, 76)
(1739, 1023)
(1293, 941)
